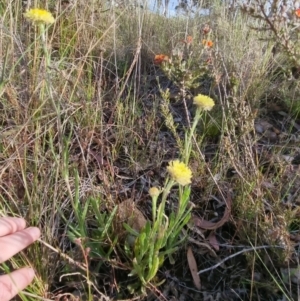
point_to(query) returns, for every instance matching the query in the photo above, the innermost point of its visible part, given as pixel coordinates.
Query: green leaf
(170, 251)
(154, 268)
(151, 255)
(139, 247)
(184, 199)
(108, 223)
(171, 259)
(130, 230)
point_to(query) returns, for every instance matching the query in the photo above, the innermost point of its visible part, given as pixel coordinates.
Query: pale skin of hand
(14, 237)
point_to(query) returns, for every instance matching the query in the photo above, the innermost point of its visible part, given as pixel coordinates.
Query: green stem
(44, 43)
(154, 206)
(167, 189)
(189, 137)
(168, 186)
(47, 55)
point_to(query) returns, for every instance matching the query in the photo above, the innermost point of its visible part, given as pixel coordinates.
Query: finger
(11, 284)
(14, 243)
(11, 224)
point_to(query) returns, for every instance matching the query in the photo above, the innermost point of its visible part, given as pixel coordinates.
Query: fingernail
(35, 232)
(30, 272)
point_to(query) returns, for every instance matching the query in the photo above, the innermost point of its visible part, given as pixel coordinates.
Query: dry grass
(91, 129)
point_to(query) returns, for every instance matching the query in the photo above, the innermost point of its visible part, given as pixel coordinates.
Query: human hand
(14, 238)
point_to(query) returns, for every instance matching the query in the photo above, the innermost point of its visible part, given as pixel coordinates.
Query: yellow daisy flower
(204, 102)
(37, 15)
(180, 172)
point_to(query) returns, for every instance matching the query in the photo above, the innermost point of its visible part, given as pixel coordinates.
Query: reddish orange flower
(189, 39)
(297, 12)
(159, 58)
(207, 43)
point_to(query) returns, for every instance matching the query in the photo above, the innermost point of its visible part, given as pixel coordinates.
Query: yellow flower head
(37, 15)
(180, 172)
(154, 192)
(204, 102)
